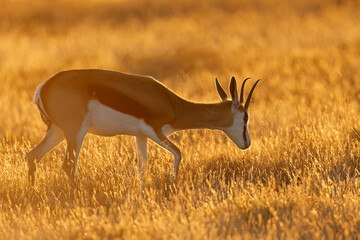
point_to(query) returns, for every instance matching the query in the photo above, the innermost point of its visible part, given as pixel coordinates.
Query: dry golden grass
(299, 180)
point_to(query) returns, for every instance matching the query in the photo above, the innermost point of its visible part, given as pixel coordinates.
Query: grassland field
(300, 178)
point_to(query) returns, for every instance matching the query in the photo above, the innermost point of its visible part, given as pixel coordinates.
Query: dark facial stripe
(244, 136)
(246, 118)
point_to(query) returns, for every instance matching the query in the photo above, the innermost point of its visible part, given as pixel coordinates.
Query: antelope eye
(246, 118)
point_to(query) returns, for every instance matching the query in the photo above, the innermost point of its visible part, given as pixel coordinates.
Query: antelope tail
(39, 104)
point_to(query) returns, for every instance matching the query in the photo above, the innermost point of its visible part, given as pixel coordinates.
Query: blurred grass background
(299, 180)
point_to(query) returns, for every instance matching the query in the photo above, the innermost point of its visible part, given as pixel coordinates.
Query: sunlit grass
(300, 178)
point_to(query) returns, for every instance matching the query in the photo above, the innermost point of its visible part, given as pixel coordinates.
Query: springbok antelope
(73, 103)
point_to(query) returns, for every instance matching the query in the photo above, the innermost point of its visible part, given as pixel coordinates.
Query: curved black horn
(249, 97)
(220, 90)
(233, 89)
(242, 90)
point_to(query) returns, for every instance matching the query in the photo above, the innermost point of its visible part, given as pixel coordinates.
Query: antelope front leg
(141, 146)
(164, 142)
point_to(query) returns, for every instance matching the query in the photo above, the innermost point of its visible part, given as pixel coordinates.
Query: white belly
(106, 121)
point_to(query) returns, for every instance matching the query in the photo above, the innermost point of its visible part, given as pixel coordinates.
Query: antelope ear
(220, 90)
(234, 95)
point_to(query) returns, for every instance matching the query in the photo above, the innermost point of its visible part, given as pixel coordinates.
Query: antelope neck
(191, 115)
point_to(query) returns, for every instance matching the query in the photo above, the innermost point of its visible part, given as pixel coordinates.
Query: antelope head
(238, 131)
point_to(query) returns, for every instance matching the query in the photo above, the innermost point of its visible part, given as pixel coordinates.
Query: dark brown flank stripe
(120, 102)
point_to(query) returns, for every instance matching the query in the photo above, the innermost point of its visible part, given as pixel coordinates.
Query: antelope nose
(246, 145)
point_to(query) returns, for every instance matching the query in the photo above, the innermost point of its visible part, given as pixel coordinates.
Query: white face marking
(236, 131)
(106, 121)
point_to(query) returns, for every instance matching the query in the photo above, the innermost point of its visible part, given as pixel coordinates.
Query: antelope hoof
(31, 173)
(32, 177)
(174, 179)
(69, 170)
